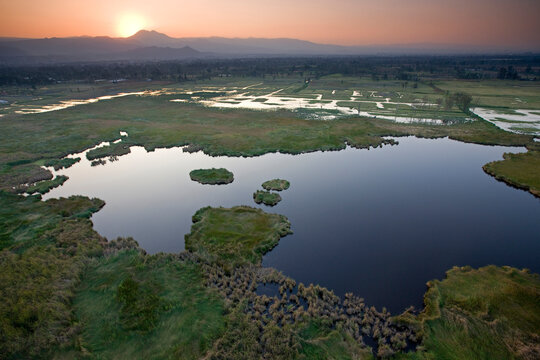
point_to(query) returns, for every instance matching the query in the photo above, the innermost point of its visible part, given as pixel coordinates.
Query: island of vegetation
(237, 235)
(276, 185)
(466, 316)
(266, 197)
(212, 176)
(98, 162)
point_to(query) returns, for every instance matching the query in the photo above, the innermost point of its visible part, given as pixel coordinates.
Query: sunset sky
(513, 24)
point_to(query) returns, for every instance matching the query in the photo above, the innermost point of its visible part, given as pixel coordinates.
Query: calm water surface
(378, 222)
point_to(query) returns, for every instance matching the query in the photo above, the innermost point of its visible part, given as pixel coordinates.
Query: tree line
(403, 68)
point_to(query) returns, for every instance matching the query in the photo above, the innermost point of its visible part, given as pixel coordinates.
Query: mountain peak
(151, 38)
(148, 34)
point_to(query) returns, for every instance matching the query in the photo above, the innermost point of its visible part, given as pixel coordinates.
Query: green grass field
(173, 315)
(45, 246)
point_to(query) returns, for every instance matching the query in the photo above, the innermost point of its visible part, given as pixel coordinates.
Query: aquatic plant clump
(266, 197)
(276, 185)
(212, 176)
(118, 149)
(45, 186)
(98, 162)
(58, 164)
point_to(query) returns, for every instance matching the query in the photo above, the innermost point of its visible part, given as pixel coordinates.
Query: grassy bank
(519, 170)
(486, 313)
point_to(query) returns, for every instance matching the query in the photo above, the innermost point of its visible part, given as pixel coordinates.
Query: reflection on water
(377, 222)
(70, 103)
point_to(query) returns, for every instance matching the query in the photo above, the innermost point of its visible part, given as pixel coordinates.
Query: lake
(378, 222)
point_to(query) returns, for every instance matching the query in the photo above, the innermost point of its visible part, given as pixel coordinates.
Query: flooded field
(315, 100)
(519, 121)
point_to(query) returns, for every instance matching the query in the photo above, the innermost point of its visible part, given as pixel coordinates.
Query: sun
(129, 24)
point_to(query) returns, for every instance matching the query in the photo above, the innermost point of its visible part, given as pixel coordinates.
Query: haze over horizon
(505, 24)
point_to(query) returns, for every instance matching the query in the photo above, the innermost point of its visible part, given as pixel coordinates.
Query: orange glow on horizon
(512, 23)
(129, 24)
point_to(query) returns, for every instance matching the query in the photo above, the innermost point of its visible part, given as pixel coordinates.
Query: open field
(502, 94)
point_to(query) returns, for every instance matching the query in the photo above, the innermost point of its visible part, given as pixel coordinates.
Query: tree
(502, 73)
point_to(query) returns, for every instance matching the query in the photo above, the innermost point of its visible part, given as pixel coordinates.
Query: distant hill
(139, 47)
(241, 46)
(151, 45)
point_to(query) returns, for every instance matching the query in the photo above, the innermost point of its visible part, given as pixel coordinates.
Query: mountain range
(151, 45)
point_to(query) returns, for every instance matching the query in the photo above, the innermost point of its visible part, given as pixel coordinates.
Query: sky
(513, 24)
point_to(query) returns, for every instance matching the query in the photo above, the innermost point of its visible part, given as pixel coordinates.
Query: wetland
(397, 182)
(339, 208)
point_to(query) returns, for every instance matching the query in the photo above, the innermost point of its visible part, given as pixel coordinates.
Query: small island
(236, 236)
(276, 185)
(266, 197)
(212, 176)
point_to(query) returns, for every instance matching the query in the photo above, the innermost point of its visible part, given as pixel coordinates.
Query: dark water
(379, 223)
